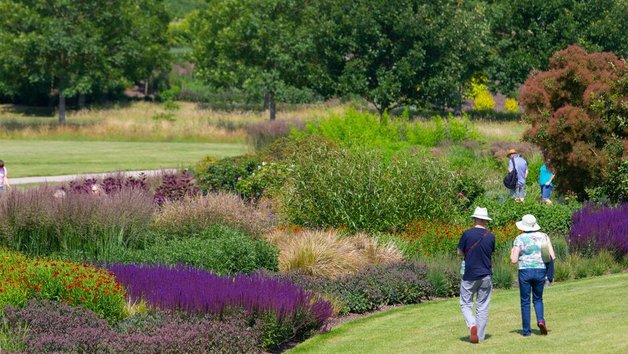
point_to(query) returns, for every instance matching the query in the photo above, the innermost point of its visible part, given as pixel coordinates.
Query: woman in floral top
(526, 251)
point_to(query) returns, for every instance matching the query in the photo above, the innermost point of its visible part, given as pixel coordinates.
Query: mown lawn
(588, 315)
(49, 158)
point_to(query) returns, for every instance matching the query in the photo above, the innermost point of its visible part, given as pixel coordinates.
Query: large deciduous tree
(578, 110)
(255, 45)
(525, 33)
(77, 46)
(397, 51)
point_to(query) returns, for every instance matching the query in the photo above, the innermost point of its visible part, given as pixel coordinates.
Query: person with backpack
(477, 246)
(4, 179)
(518, 167)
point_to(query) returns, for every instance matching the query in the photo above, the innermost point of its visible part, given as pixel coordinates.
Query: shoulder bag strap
(475, 244)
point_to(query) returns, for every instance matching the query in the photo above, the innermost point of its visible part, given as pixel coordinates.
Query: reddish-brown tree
(578, 112)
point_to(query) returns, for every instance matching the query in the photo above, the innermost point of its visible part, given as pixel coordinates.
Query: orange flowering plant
(436, 237)
(23, 278)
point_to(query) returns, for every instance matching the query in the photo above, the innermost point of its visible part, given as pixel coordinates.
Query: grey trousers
(483, 289)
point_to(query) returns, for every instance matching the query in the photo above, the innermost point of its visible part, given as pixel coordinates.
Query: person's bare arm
(514, 254)
(551, 179)
(551, 249)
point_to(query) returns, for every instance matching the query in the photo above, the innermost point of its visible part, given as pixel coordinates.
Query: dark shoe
(473, 335)
(542, 328)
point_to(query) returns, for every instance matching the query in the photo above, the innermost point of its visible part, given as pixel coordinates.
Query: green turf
(583, 316)
(50, 158)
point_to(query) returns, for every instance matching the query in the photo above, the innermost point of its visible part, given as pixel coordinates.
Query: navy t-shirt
(478, 262)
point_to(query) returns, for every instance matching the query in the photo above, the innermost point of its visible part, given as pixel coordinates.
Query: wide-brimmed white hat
(528, 223)
(481, 213)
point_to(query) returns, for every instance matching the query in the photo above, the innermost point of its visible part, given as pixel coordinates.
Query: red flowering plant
(23, 278)
(430, 238)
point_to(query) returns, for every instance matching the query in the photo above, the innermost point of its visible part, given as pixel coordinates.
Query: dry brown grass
(500, 131)
(192, 215)
(134, 122)
(328, 254)
(375, 252)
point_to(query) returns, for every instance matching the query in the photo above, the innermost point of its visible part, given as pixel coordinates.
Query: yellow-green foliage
(328, 254)
(484, 101)
(511, 105)
(479, 93)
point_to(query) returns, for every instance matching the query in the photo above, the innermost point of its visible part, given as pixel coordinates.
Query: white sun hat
(481, 213)
(528, 223)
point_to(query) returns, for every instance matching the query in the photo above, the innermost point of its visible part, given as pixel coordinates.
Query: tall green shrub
(361, 190)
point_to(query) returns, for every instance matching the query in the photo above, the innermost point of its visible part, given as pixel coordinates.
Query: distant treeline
(391, 53)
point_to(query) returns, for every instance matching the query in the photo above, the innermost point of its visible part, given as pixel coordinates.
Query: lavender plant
(595, 229)
(264, 298)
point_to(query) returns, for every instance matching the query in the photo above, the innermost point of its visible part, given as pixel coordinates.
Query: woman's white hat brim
(528, 223)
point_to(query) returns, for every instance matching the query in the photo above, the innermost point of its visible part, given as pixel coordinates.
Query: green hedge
(219, 249)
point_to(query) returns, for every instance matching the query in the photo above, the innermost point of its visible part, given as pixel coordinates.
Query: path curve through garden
(66, 178)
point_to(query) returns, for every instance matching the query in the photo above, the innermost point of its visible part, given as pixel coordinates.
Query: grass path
(50, 158)
(588, 315)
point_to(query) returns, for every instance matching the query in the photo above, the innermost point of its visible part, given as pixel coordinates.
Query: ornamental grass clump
(192, 215)
(23, 278)
(328, 254)
(39, 222)
(595, 229)
(286, 310)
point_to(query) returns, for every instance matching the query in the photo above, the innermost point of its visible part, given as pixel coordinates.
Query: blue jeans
(546, 191)
(531, 280)
(519, 191)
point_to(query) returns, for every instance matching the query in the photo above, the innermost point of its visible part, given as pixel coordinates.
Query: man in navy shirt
(476, 245)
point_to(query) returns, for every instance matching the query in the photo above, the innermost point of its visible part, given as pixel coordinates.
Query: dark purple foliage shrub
(110, 184)
(594, 229)
(175, 187)
(57, 327)
(373, 286)
(277, 303)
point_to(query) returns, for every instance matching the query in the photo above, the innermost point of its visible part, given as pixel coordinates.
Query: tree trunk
(146, 87)
(272, 106)
(61, 105)
(81, 100)
(267, 100)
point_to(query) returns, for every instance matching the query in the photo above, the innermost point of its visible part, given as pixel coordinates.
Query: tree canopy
(255, 45)
(525, 33)
(402, 51)
(74, 47)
